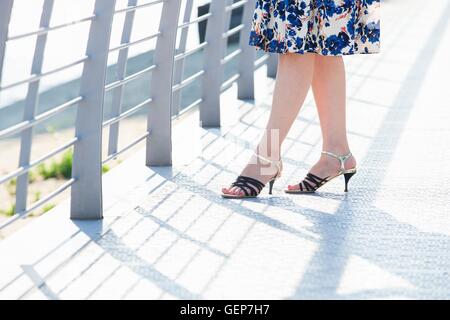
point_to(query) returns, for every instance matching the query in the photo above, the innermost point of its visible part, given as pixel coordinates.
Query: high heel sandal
(306, 184)
(253, 187)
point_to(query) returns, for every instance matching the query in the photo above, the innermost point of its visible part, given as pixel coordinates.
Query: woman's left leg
(294, 76)
(329, 89)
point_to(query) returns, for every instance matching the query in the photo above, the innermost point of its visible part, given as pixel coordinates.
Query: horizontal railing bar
(233, 31)
(188, 108)
(36, 77)
(260, 61)
(38, 119)
(190, 51)
(187, 81)
(48, 29)
(132, 77)
(140, 6)
(36, 162)
(131, 145)
(132, 43)
(196, 20)
(235, 5)
(231, 56)
(227, 84)
(50, 196)
(127, 113)
(37, 204)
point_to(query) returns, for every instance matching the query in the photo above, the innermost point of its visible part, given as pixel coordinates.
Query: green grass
(105, 168)
(37, 196)
(11, 186)
(32, 176)
(48, 207)
(9, 211)
(61, 169)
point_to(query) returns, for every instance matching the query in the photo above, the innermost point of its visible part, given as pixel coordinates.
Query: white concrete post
(86, 201)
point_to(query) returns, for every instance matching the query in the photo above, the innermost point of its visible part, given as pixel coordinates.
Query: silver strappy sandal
(252, 187)
(312, 182)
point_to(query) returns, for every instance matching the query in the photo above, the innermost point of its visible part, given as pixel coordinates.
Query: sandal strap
(240, 186)
(258, 184)
(312, 178)
(244, 187)
(278, 164)
(315, 179)
(308, 186)
(253, 185)
(341, 158)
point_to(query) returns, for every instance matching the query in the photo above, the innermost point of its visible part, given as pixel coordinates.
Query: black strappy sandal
(312, 182)
(252, 187)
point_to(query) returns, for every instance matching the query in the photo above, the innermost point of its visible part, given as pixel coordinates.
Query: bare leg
(329, 90)
(294, 77)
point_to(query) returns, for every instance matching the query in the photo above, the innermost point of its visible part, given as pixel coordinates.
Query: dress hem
(262, 43)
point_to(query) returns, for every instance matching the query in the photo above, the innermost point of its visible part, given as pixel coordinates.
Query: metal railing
(167, 82)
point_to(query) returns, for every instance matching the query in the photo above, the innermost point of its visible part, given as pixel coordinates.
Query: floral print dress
(326, 27)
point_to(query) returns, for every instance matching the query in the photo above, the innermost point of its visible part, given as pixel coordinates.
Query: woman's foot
(258, 168)
(327, 167)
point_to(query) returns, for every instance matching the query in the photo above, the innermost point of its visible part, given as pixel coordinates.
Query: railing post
(86, 202)
(227, 23)
(31, 104)
(5, 17)
(272, 65)
(117, 101)
(212, 80)
(159, 124)
(246, 81)
(179, 65)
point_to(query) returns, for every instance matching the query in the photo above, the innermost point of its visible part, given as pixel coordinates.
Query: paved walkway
(167, 233)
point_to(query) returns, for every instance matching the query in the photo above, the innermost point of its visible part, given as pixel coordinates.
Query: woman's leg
(294, 77)
(329, 88)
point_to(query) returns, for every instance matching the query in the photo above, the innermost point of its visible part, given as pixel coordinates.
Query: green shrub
(11, 186)
(10, 211)
(31, 176)
(37, 196)
(47, 171)
(48, 207)
(65, 165)
(61, 169)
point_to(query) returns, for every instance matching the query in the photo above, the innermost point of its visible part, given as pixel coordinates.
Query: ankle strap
(278, 163)
(260, 157)
(341, 159)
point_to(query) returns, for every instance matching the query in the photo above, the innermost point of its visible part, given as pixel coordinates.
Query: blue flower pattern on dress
(326, 27)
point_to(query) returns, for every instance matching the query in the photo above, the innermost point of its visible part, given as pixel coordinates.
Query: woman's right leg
(294, 78)
(329, 89)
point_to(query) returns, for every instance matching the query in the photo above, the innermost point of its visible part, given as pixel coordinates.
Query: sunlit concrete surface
(167, 234)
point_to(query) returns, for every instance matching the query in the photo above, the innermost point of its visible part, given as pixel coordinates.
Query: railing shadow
(142, 240)
(382, 241)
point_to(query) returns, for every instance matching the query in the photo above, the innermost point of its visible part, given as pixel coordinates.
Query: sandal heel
(271, 182)
(347, 177)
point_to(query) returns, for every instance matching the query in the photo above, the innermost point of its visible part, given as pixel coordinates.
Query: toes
(237, 191)
(226, 190)
(233, 191)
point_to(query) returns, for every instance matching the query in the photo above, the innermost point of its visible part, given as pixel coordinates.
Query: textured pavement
(167, 234)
